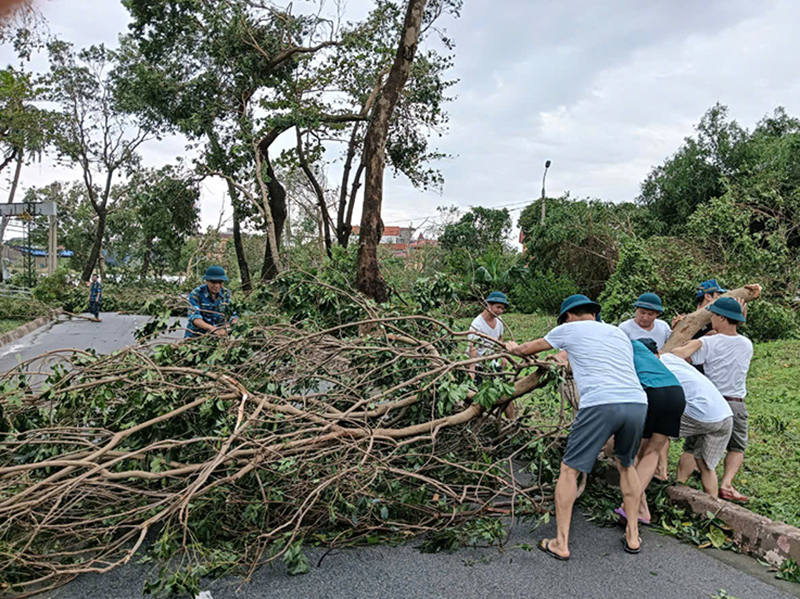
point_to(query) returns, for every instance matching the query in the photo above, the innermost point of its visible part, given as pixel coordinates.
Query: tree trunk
(686, 328)
(343, 227)
(97, 247)
(148, 246)
(368, 277)
(276, 205)
(11, 195)
(318, 191)
(241, 258)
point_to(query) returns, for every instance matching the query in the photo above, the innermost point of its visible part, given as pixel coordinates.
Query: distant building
(14, 254)
(400, 242)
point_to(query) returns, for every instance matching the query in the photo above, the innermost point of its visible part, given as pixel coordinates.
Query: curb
(755, 535)
(23, 330)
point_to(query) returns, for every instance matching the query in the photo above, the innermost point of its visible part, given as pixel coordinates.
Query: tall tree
(92, 133)
(165, 210)
(24, 127)
(201, 68)
(368, 277)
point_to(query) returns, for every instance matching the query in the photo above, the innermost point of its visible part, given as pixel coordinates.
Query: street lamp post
(546, 166)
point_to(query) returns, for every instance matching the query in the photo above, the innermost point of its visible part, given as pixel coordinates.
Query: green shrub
(430, 293)
(58, 291)
(541, 292)
(19, 308)
(768, 320)
(667, 266)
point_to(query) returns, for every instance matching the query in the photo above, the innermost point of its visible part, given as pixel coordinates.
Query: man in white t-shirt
(645, 324)
(707, 419)
(612, 403)
(487, 326)
(725, 357)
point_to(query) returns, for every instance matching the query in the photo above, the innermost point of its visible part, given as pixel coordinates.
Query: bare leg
(608, 448)
(631, 492)
(686, 466)
(733, 462)
(646, 469)
(709, 478)
(662, 470)
(566, 491)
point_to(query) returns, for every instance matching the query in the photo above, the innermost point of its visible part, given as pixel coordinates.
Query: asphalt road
(599, 569)
(113, 333)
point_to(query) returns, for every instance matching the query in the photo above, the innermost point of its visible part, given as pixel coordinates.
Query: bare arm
(688, 349)
(528, 349)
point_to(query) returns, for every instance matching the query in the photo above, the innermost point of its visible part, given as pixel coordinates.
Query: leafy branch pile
(216, 456)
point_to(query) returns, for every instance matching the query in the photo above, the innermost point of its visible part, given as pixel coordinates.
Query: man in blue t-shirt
(209, 306)
(612, 403)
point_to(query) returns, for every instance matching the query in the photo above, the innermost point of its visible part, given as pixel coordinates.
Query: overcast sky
(604, 89)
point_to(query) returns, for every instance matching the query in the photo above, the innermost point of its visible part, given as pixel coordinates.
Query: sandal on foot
(628, 548)
(733, 496)
(624, 517)
(545, 546)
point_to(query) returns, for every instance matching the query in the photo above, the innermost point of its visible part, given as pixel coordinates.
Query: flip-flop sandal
(628, 548)
(545, 547)
(728, 496)
(624, 517)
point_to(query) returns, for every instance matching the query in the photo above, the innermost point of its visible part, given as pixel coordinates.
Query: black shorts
(665, 407)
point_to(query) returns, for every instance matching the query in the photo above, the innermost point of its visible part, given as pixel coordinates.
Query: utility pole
(546, 166)
(52, 237)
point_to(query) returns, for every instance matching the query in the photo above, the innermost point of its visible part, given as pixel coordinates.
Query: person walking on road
(209, 304)
(725, 357)
(612, 403)
(95, 296)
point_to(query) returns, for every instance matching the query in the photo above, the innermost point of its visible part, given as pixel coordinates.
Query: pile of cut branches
(215, 456)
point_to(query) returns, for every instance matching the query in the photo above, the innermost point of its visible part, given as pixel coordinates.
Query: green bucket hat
(727, 307)
(497, 297)
(649, 301)
(215, 273)
(573, 301)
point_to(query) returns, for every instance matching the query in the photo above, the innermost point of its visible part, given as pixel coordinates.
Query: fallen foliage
(217, 455)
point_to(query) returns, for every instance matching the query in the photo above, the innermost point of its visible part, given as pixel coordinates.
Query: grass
(7, 325)
(771, 471)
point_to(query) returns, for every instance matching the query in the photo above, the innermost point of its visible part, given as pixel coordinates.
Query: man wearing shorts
(725, 357)
(612, 403)
(665, 406)
(707, 420)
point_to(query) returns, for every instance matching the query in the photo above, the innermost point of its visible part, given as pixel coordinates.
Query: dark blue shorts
(595, 425)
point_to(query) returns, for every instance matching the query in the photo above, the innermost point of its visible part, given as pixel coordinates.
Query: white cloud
(605, 90)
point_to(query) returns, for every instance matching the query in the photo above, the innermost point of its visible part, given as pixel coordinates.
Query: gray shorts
(595, 425)
(738, 440)
(706, 440)
(739, 437)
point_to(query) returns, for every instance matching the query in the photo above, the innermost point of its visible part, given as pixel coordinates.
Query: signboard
(29, 209)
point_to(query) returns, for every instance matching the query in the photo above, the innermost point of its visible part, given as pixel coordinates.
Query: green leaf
(716, 536)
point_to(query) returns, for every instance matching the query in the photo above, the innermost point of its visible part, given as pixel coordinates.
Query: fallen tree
(215, 457)
(687, 326)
